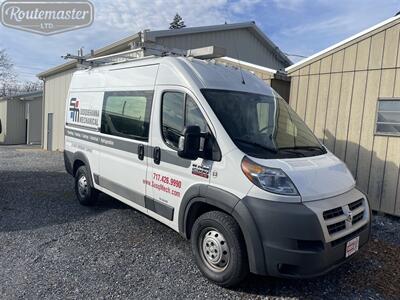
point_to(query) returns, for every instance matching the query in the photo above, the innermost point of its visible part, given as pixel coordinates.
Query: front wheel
(219, 248)
(84, 191)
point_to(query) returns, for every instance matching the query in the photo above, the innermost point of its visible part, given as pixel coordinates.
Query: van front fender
(231, 204)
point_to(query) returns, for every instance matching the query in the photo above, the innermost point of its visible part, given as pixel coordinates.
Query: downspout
(43, 111)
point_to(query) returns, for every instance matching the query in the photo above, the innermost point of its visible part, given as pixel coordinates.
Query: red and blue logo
(74, 109)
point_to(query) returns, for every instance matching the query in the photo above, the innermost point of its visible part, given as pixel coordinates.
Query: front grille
(338, 220)
(333, 213)
(356, 204)
(357, 218)
(336, 227)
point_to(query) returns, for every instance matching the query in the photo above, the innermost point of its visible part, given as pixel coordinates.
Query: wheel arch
(74, 160)
(201, 198)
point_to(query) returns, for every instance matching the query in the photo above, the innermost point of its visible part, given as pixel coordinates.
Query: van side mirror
(189, 143)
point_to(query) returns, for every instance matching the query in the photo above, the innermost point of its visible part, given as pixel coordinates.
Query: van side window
(127, 114)
(179, 110)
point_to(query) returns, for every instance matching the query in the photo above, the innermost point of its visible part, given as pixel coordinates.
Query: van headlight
(269, 179)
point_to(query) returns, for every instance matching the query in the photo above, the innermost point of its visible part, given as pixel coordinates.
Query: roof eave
(311, 58)
(152, 35)
(271, 44)
(102, 51)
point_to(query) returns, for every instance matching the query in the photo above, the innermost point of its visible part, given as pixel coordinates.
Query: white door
(169, 175)
(124, 140)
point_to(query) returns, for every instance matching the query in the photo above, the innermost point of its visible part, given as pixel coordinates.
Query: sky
(301, 27)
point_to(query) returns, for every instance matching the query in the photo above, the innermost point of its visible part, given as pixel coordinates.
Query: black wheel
(84, 191)
(219, 248)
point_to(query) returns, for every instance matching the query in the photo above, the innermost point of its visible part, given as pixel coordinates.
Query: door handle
(157, 155)
(141, 151)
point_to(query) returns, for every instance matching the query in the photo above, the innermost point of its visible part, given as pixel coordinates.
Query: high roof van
(217, 155)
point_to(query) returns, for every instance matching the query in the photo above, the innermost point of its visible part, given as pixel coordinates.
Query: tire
(85, 192)
(219, 249)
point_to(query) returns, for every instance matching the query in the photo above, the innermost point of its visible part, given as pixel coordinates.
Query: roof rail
(142, 50)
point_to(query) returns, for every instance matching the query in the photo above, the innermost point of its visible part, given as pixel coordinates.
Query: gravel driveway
(53, 248)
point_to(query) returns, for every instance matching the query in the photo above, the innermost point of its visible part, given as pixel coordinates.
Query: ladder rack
(142, 50)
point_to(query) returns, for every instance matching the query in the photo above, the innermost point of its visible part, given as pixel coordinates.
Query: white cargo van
(214, 153)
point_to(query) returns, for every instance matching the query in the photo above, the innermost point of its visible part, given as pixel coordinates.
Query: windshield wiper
(303, 148)
(298, 149)
(256, 145)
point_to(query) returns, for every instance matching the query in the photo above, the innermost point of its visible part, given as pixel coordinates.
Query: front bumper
(295, 238)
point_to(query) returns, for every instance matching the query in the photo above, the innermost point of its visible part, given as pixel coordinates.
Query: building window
(388, 117)
(127, 114)
(178, 111)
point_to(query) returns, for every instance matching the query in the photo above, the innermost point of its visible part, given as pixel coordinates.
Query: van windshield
(263, 126)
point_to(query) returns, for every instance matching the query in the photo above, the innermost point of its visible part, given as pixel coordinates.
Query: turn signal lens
(269, 179)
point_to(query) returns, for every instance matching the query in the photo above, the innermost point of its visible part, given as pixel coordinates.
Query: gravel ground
(53, 248)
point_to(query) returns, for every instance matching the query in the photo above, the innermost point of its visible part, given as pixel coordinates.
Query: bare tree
(9, 83)
(31, 86)
(7, 74)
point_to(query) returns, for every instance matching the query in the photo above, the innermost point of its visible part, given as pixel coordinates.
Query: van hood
(315, 177)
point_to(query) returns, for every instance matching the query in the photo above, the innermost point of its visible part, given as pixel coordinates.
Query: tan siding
(375, 59)
(326, 64)
(391, 175)
(376, 171)
(380, 144)
(343, 114)
(305, 71)
(389, 202)
(337, 61)
(353, 135)
(332, 110)
(367, 130)
(302, 95)
(314, 68)
(350, 55)
(391, 47)
(323, 88)
(363, 54)
(311, 100)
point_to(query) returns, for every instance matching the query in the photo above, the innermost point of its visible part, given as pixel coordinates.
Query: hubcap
(82, 186)
(215, 250)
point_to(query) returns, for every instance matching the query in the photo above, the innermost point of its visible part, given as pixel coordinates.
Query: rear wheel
(219, 248)
(85, 192)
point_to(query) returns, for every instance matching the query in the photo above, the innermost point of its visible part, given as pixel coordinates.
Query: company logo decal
(85, 116)
(74, 110)
(46, 17)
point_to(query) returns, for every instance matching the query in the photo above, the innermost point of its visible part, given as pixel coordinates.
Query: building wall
(16, 124)
(55, 95)
(336, 94)
(34, 116)
(239, 43)
(3, 119)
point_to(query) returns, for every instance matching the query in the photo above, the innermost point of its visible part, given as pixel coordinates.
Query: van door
(169, 175)
(124, 141)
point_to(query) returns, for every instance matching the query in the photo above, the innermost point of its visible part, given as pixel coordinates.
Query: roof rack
(142, 50)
